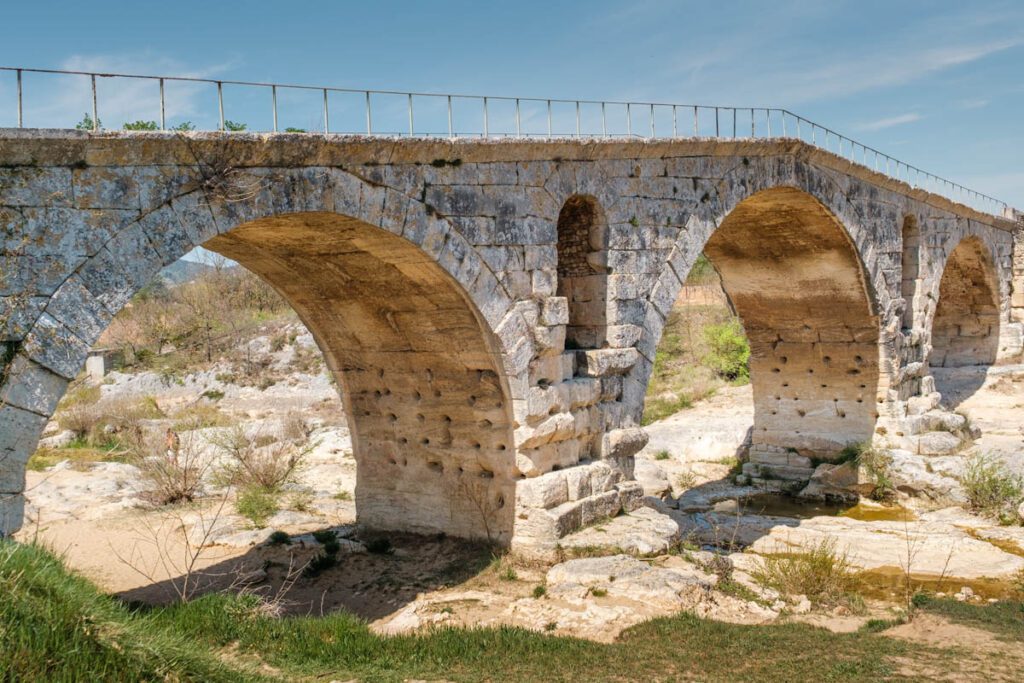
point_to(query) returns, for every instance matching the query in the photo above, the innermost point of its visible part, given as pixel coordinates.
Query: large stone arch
(798, 281)
(402, 307)
(966, 326)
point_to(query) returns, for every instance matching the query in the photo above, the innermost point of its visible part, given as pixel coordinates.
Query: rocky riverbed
(696, 545)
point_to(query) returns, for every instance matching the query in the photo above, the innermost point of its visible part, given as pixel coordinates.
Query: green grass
(57, 627)
(258, 505)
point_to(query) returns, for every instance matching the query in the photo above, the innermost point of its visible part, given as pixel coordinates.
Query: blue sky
(938, 84)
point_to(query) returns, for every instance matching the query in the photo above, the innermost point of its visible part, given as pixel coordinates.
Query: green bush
(141, 125)
(258, 504)
(728, 350)
(992, 490)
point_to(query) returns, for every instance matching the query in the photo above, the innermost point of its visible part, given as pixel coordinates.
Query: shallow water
(778, 505)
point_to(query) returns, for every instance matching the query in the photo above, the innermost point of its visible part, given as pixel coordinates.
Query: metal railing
(576, 118)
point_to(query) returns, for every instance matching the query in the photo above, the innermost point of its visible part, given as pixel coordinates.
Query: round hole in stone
(392, 461)
(380, 372)
(501, 446)
(393, 417)
(783, 360)
(471, 400)
(785, 384)
(853, 371)
(501, 502)
(436, 466)
(842, 414)
(447, 419)
(800, 413)
(824, 386)
(810, 371)
(420, 417)
(416, 395)
(477, 446)
(366, 413)
(484, 423)
(826, 360)
(437, 394)
(378, 393)
(425, 442)
(403, 440)
(858, 359)
(776, 370)
(486, 474)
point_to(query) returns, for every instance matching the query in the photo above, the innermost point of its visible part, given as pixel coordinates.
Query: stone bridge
(491, 309)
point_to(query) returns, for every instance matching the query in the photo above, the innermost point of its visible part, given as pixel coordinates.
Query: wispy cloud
(890, 121)
(978, 103)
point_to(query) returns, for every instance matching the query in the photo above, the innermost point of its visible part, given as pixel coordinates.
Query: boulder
(835, 481)
(652, 478)
(934, 443)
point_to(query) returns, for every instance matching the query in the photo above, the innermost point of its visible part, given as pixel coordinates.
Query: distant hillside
(183, 271)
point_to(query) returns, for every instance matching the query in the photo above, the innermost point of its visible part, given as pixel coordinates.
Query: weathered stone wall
(438, 263)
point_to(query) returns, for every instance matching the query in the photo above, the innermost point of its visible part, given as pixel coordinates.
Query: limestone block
(599, 362)
(652, 478)
(106, 188)
(598, 507)
(540, 257)
(622, 443)
(555, 311)
(611, 388)
(543, 283)
(546, 370)
(546, 491)
(583, 392)
(577, 481)
(835, 481)
(53, 346)
(604, 477)
(32, 387)
(549, 340)
(554, 428)
(78, 310)
(19, 434)
(27, 186)
(631, 495)
(623, 336)
(933, 443)
(12, 513)
(542, 401)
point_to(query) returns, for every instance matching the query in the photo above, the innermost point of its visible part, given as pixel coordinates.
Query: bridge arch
(966, 325)
(390, 294)
(797, 281)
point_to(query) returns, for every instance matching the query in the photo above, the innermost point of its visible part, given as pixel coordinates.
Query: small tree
(234, 126)
(88, 124)
(184, 127)
(728, 350)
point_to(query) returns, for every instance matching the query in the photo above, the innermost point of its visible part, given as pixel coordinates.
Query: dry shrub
(251, 462)
(172, 477)
(992, 489)
(818, 571)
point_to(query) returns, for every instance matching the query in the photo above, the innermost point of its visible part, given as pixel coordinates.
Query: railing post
(652, 121)
(768, 117)
(95, 107)
(21, 119)
(519, 132)
(734, 122)
(549, 119)
(163, 110)
(369, 115)
(327, 117)
(717, 128)
(696, 122)
(273, 98)
(785, 133)
(410, 116)
(485, 118)
(629, 122)
(752, 133)
(675, 123)
(450, 127)
(220, 103)
(577, 118)
(604, 121)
